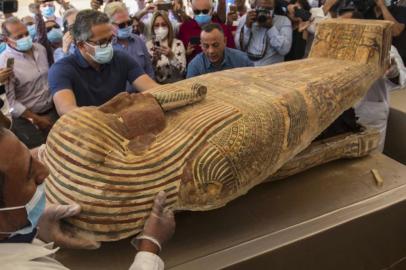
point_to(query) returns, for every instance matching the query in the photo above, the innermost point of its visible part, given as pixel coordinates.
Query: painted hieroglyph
(205, 149)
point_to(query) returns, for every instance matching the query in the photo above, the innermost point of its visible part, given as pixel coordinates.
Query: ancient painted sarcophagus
(114, 159)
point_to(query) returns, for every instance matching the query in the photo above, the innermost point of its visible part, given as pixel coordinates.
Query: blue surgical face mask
(48, 11)
(35, 207)
(24, 44)
(124, 33)
(55, 35)
(3, 47)
(102, 55)
(203, 19)
(32, 30)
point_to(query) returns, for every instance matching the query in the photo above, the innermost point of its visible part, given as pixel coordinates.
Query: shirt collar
(208, 64)
(80, 59)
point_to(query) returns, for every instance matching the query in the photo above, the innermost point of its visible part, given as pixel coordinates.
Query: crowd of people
(55, 61)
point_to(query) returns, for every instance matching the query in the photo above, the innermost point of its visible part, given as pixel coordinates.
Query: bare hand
(43, 122)
(166, 51)
(5, 75)
(190, 49)
(50, 229)
(231, 17)
(251, 17)
(66, 42)
(303, 25)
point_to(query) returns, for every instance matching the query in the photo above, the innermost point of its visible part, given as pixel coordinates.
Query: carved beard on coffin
(114, 159)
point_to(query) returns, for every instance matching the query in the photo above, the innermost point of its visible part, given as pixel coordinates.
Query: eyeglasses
(56, 26)
(124, 24)
(102, 43)
(200, 11)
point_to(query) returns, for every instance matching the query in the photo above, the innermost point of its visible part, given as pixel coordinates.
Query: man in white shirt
(25, 221)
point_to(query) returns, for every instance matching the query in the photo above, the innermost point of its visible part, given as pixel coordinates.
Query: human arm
(397, 27)
(64, 101)
(144, 83)
(160, 226)
(176, 55)
(280, 37)
(221, 11)
(243, 33)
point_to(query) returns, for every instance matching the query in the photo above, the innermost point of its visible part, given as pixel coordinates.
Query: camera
(8, 6)
(262, 14)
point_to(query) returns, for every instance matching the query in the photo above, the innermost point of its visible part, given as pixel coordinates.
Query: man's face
(200, 5)
(121, 19)
(28, 20)
(17, 31)
(101, 35)
(213, 45)
(23, 174)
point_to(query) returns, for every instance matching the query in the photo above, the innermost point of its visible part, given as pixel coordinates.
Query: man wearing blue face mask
(27, 221)
(190, 30)
(125, 40)
(27, 92)
(96, 72)
(47, 9)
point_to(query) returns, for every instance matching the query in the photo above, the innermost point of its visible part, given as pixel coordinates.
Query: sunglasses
(124, 24)
(53, 26)
(201, 11)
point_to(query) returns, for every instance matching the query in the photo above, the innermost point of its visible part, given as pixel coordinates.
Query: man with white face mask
(125, 40)
(96, 72)
(26, 222)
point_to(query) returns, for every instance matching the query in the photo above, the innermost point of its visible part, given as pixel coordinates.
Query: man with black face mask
(265, 37)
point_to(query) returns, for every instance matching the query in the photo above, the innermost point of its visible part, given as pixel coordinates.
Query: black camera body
(262, 14)
(8, 6)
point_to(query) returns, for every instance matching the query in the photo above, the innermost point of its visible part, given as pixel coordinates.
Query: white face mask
(161, 33)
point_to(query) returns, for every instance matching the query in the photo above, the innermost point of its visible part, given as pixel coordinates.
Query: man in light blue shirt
(265, 37)
(215, 56)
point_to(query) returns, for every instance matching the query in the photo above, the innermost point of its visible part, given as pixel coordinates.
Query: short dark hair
(85, 20)
(211, 26)
(303, 3)
(11, 20)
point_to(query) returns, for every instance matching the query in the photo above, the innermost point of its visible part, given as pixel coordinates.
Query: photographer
(265, 37)
(298, 11)
(47, 9)
(168, 53)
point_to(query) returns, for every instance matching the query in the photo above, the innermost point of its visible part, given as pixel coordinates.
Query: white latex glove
(50, 230)
(160, 224)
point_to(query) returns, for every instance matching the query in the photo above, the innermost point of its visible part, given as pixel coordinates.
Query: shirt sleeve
(192, 68)
(147, 261)
(148, 63)
(281, 37)
(16, 108)
(59, 78)
(245, 32)
(134, 70)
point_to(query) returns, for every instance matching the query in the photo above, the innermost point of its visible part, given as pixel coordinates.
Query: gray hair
(85, 20)
(69, 13)
(11, 20)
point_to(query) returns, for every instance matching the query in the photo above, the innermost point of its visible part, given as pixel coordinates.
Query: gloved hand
(50, 230)
(160, 224)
